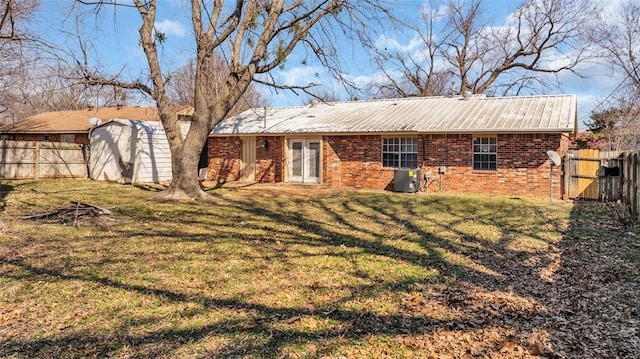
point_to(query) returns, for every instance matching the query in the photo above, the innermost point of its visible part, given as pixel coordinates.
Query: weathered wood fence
(36, 160)
(630, 175)
(604, 176)
(592, 174)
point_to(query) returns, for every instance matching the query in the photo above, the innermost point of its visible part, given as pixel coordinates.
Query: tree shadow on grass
(482, 291)
(5, 189)
(265, 323)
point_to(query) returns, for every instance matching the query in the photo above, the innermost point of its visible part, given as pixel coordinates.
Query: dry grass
(277, 271)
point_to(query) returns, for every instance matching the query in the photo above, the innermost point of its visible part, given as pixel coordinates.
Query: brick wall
(355, 161)
(523, 167)
(224, 159)
(270, 161)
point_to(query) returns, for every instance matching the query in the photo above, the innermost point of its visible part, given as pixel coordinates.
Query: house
(473, 143)
(69, 126)
(131, 151)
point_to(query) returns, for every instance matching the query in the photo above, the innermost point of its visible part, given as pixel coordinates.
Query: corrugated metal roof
(477, 113)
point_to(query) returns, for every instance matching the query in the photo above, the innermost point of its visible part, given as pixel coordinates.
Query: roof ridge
(409, 98)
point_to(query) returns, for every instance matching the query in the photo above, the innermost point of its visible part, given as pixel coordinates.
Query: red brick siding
(522, 164)
(224, 159)
(270, 161)
(356, 161)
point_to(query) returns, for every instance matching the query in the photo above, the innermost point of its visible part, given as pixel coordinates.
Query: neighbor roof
(457, 114)
(76, 121)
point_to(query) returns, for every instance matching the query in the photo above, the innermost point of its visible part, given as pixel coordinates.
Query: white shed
(130, 151)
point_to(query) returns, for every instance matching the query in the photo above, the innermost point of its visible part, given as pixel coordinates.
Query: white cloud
(428, 8)
(302, 75)
(387, 43)
(170, 27)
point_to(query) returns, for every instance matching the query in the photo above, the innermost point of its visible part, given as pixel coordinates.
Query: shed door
(304, 161)
(248, 160)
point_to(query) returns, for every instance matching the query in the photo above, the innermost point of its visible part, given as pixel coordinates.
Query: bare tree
(416, 73)
(181, 90)
(542, 38)
(30, 81)
(14, 13)
(13, 16)
(619, 37)
(256, 37)
(619, 124)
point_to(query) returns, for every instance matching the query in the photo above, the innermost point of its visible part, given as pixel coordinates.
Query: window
(67, 138)
(400, 152)
(484, 153)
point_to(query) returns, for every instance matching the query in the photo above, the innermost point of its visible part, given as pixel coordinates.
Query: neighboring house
(464, 144)
(70, 126)
(588, 139)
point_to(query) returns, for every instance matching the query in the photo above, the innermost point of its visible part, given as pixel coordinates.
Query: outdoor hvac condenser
(406, 180)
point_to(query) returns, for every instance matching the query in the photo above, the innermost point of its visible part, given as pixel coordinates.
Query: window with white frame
(485, 152)
(400, 152)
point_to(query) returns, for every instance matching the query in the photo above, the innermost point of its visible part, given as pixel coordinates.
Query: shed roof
(477, 113)
(143, 125)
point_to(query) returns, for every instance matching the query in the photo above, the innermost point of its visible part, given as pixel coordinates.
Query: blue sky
(115, 47)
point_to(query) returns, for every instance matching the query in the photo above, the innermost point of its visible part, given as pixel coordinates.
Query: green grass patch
(260, 272)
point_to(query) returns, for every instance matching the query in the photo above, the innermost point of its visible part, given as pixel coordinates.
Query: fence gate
(588, 175)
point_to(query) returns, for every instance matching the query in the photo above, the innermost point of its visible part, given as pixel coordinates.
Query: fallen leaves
(321, 278)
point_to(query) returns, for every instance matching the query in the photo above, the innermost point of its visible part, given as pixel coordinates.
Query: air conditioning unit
(406, 180)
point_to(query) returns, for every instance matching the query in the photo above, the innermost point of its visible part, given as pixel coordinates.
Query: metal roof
(148, 126)
(476, 113)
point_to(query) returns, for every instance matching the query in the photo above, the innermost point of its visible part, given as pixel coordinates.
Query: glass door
(304, 161)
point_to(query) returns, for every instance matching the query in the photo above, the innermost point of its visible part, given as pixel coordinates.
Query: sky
(114, 46)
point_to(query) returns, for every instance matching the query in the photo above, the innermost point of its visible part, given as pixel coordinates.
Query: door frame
(247, 159)
(305, 148)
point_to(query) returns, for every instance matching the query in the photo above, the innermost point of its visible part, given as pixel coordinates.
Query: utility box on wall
(406, 180)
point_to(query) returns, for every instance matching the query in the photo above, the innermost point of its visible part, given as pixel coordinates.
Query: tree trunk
(185, 158)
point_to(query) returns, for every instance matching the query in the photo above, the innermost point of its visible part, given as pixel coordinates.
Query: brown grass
(278, 271)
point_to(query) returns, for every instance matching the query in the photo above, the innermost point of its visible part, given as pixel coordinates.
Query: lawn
(281, 271)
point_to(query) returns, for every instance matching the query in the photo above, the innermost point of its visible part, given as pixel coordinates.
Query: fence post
(565, 176)
(36, 162)
(85, 158)
(633, 185)
(627, 182)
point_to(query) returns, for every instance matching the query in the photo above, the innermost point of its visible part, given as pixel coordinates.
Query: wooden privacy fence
(630, 174)
(604, 176)
(593, 174)
(36, 160)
